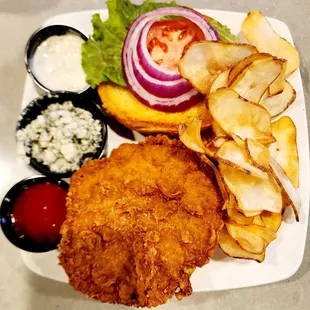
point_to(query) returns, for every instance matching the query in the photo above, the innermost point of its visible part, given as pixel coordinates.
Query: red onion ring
(183, 103)
(146, 58)
(149, 89)
(162, 89)
(150, 66)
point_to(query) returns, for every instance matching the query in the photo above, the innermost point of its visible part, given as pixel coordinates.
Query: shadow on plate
(45, 288)
(52, 294)
(50, 287)
(115, 126)
(119, 129)
(219, 255)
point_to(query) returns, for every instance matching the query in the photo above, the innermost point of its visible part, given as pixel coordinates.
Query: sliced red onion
(162, 89)
(182, 103)
(150, 66)
(209, 34)
(150, 88)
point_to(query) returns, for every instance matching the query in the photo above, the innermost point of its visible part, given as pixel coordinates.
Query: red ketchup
(39, 212)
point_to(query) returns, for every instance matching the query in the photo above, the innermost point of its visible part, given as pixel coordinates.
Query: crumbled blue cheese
(60, 137)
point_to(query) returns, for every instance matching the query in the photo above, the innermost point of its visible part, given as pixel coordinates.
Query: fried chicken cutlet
(139, 222)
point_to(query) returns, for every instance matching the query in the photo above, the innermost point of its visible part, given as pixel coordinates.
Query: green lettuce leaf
(102, 53)
(223, 31)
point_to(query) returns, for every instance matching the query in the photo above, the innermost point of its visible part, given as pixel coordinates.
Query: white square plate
(284, 255)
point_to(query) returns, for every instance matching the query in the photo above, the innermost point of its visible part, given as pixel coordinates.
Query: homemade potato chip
(238, 217)
(240, 142)
(284, 150)
(218, 177)
(252, 193)
(255, 79)
(212, 149)
(289, 193)
(218, 130)
(231, 201)
(231, 154)
(250, 213)
(277, 86)
(258, 153)
(272, 220)
(225, 205)
(259, 32)
(265, 95)
(247, 240)
(258, 221)
(220, 81)
(219, 141)
(267, 234)
(189, 134)
(277, 104)
(231, 248)
(203, 61)
(243, 63)
(240, 117)
(243, 93)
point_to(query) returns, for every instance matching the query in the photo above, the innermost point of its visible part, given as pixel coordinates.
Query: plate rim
(299, 82)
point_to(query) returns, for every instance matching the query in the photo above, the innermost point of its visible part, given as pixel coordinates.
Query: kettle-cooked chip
(203, 61)
(231, 248)
(256, 78)
(259, 32)
(252, 193)
(239, 116)
(233, 155)
(277, 104)
(284, 150)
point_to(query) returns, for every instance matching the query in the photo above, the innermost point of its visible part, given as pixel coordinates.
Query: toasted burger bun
(133, 114)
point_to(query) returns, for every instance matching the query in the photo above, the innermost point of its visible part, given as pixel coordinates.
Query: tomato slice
(167, 40)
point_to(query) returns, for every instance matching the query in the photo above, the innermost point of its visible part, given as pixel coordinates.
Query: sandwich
(133, 57)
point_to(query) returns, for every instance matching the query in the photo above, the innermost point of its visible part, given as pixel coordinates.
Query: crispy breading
(139, 222)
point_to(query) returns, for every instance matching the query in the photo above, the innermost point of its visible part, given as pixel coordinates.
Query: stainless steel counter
(19, 288)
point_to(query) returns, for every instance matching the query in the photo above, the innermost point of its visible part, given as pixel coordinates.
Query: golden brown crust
(133, 114)
(139, 222)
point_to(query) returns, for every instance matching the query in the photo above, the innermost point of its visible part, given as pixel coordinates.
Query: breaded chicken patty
(139, 222)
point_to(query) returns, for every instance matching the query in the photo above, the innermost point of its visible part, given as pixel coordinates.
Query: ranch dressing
(57, 63)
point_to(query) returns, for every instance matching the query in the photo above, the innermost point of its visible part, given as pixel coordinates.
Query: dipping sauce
(39, 212)
(57, 63)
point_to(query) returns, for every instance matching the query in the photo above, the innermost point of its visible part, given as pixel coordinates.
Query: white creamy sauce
(57, 63)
